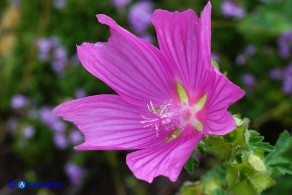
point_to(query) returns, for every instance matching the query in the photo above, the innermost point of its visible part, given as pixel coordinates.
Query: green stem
(42, 26)
(275, 112)
(113, 162)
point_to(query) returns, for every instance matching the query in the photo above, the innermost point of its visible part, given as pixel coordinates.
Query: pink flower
(168, 98)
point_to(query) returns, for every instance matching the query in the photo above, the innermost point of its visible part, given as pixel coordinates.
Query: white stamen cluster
(167, 117)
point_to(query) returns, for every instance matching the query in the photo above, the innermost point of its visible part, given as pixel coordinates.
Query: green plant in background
(248, 165)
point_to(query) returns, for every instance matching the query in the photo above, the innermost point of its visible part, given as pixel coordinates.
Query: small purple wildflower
(19, 101)
(231, 10)
(215, 57)
(287, 80)
(287, 85)
(288, 70)
(15, 3)
(59, 60)
(276, 74)
(80, 93)
(45, 47)
(28, 132)
(60, 141)
(75, 137)
(11, 125)
(60, 4)
(74, 172)
(148, 38)
(140, 16)
(248, 79)
(51, 120)
(50, 50)
(285, 44)
(75, 60)
(242, 58)
(120, 3)
(286, 76)
(250, 50)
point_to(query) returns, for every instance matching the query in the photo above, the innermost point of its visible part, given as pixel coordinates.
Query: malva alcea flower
(168, 98)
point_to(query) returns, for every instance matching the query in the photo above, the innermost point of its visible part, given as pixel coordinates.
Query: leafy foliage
(279, 162)
(245, 169)
(256, 142)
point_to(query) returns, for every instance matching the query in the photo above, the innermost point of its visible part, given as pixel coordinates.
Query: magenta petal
(178, 37)
(166, 159)
(221, 94)
(184, 40)
(205, 32)
(108, 123)
(131, 66)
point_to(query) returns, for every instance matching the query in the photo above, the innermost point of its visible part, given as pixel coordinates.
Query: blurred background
(39, 69)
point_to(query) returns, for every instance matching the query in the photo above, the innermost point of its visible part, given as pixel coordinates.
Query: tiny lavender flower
(28, 132)
(215, 57)
(74, 172)
(276, 74)
(75, 137)
(60, 4)
(59, 60)
(15, 3)
(287, 85)
(60, 141)
(50, 50)
(286, 76)
(19, 101)
(140, 16)
(11, 125)
(75, 60)
(45, 47)
(51, 120)
(242, 58)
(120, 3)
(231, 10)
(169, 98)
(148, 38)
(285, 44)
(80, 93)
(248, 79)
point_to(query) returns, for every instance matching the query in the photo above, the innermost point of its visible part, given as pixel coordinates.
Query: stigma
(172, 117)
(167, 117)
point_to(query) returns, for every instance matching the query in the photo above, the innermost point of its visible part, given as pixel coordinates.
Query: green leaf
(256, 142)
(284, 143)
(238, 137)
(192, 164)
(253, 184)
(279, 162)
(256, 162)
(232, 176)
(213, 181)
(227, 146)
(266, 22)
(190, 188)
(261, 181)
(243, 188)
(218, 146)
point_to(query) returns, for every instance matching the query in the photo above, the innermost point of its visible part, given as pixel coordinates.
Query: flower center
(167, 117)
(172, 117)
